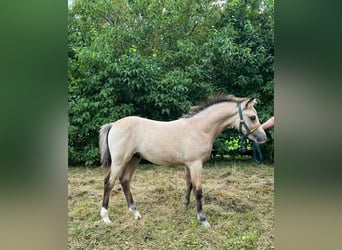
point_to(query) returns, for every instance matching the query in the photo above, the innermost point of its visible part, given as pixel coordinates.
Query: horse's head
(247, 121)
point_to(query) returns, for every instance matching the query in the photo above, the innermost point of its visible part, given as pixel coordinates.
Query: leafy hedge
(157, 58)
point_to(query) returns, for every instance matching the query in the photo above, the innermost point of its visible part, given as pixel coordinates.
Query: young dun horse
(184, 142)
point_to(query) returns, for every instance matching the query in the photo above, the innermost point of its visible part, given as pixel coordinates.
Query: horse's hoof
(186, 203)
(106, 220)
(206, 223)
(104, 215)
(203, 220)
(135, 212)
(137, 215)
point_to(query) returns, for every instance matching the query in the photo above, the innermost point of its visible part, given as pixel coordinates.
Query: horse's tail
(106, 159)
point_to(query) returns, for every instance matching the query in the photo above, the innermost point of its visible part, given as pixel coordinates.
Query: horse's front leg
(196, 178)
(200, 215)
(186, 200)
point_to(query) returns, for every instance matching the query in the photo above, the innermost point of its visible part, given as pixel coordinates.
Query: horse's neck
(216, 118)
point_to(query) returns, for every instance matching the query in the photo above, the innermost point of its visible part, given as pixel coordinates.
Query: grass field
(237, 201)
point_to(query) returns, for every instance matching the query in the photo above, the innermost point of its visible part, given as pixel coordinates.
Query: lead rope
(257, 155)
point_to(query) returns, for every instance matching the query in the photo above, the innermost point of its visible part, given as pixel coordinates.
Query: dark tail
(106, 159)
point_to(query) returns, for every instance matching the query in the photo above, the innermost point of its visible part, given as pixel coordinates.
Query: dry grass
(237, 200)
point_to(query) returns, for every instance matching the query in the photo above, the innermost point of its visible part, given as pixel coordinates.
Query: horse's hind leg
(186, 200)
(109, 182)
(125, 180)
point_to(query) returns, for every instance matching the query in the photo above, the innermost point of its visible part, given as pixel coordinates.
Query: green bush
(158, 58)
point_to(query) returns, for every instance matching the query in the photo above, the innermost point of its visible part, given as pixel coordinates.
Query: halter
(257, 155)
(242, 123)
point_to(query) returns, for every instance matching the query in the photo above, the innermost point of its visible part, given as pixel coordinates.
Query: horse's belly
(175, 155)
(162, 157)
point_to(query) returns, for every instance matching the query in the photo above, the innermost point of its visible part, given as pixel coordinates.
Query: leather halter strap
(242, 123)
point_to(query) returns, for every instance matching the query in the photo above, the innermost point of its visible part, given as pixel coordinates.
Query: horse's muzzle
(260, 138)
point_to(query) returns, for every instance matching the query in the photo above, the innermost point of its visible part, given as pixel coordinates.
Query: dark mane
(194, 110)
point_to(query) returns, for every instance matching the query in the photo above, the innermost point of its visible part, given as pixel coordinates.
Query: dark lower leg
(130, 202)
(187, 194)
(125, 180)
(108, 186)
(196, 176)
(186, 200)
(107, 189)
(128, 195)
(200, 214)
(198, 195)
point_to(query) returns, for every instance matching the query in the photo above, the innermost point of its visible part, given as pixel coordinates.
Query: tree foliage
(157, 58)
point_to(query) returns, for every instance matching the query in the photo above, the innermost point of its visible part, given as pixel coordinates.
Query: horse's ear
(250, 102)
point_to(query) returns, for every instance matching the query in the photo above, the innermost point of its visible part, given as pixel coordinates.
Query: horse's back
(156, 141)
(130, 122)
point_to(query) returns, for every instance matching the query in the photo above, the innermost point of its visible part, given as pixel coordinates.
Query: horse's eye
(253, 117)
